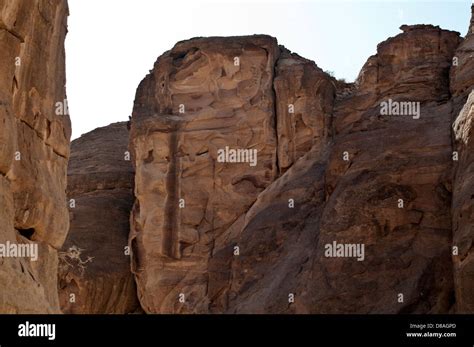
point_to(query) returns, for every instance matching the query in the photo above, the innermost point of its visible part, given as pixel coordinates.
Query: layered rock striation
(462, 83)
(248, 181)
(368, 165)
(94, 267)
(34, 150)
(206, 98)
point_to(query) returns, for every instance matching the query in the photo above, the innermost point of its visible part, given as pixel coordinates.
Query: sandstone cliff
(34, 150)
(213, 236)
(94, 271)
(204, 96)
(248, 162)
(370, 163)
(462, 82)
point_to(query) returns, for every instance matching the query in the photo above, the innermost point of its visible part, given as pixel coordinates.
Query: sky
(112, 44)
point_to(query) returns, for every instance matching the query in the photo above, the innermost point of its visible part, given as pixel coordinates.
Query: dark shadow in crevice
(27, 233)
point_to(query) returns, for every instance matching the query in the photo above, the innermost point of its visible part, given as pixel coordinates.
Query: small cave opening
(27, 233)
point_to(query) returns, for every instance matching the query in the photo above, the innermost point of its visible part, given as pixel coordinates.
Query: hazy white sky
(112, 44)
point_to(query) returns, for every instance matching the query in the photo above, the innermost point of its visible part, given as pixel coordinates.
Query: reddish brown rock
(202, 96)
(94, 262)
(462, 82)
(462, 71)
(225, 88)
(355, 201)
(350, 175)
(463, 208)
(304, 101)
(34, 149)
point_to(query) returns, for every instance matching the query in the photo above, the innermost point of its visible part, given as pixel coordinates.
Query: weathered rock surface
(94, 262)
(304, 102)
(215, 84)
(331, 168)
(34, 149)
(462, 72)
(203, 96)
(463, 208)
(462, 82)
(355, 201)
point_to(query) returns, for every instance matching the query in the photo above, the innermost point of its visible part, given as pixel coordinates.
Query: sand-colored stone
(34, 149)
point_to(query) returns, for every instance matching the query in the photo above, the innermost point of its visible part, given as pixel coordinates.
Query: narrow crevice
(275, 112)
(43, 140)
(169, 241)
(12, 32)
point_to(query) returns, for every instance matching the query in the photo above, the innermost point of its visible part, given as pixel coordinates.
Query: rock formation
(94, 275)
(249, 180)
(34, 150)
(206, 97)
(333, 169)
(373, 162)
(462, 82)
(463, 208)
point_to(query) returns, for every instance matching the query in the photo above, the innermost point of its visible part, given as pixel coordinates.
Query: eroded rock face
(405, 63)
(34, 149)
(462, 72)
(94, 265)
(463, 208)
(345, 172)
(304, 102)
(348, 192)
(462, 82)
(203, 97)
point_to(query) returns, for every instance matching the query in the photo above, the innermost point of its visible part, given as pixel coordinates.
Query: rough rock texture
(94, 264)
(226, 88)
(175, 158)
(407, 250)
(463, 208)
(462, 83)
(330, 169)
(304, 101)
(34, 149)
(462, 72)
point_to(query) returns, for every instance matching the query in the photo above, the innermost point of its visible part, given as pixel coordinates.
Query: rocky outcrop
(204, 99)
(463, 208)
(368, 165)
(304, 101)
(94, 267)
(383, 182)
(393, 192)
(462, 82)
(462, 71)
(34, 149)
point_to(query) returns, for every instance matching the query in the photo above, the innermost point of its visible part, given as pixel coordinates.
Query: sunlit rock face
(463, 207)
(381, 181)
(205, 99)
(34, 150)
(368, 165)
(462, 82)
(248, 180)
